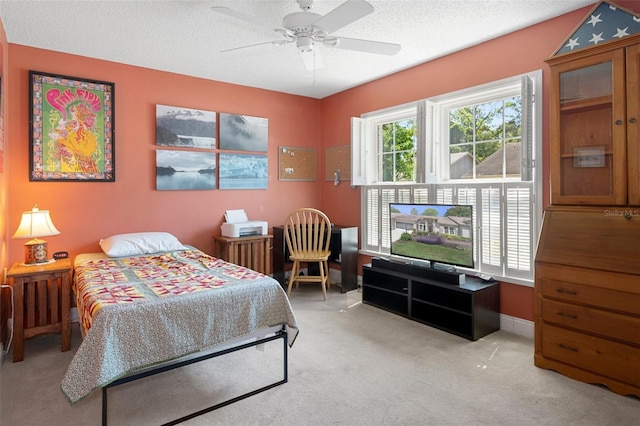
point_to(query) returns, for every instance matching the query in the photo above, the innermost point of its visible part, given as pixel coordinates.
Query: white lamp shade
(35, 223)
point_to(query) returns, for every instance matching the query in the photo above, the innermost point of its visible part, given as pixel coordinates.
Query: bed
(147, 304)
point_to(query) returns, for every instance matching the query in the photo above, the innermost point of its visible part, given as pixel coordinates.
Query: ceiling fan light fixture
(305, 44)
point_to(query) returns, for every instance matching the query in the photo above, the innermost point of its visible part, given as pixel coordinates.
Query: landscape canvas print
(184, 127)
(185, 170)
(243, 171)
(243, 132)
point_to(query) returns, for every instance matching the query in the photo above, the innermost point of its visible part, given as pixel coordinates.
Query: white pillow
(140, 243)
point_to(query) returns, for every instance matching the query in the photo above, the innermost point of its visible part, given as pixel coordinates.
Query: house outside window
(474, 147)
(484, 140)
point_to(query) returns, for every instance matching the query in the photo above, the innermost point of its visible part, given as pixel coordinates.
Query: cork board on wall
(338, 158)
(296, 164)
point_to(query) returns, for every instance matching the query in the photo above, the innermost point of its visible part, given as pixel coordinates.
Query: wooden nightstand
(253, 252)
(42, 302)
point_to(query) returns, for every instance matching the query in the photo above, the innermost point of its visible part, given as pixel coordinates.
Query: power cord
(6, 350)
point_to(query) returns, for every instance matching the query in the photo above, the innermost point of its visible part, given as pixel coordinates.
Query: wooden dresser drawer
(589, 295)
(607, 324)
(602, 356)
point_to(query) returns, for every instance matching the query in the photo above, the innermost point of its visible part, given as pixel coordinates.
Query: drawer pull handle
(569, 348)
(564, 314)
(562, 290)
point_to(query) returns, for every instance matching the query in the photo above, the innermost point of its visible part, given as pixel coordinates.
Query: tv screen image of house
(440, 233)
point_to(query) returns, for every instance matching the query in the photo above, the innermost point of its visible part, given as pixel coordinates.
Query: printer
(238, 225)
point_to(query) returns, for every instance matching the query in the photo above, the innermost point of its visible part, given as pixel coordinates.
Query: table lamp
(35, 223)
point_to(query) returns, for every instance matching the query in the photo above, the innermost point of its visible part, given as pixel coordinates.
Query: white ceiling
(186, 37)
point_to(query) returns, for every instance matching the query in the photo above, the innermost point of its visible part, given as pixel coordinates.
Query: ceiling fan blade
(276, 42)
(247, 18)
(369, 46)
(348, 12)
(312, 59)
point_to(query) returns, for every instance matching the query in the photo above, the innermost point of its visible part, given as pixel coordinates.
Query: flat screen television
(437, 233)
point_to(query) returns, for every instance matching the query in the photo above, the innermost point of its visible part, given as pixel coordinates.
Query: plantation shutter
(370, 219)
(526, 141)
(432, 133)
(468, 196)
(421, 142)
(490, 218)
(444, 195)
(388, 196)
(360, 142)
(519, 241)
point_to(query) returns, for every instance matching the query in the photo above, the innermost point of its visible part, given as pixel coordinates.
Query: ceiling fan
(308, 30)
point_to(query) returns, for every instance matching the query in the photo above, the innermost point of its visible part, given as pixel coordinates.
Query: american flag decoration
(605, 22)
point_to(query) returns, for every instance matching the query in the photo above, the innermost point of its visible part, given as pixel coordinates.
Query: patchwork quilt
(139, 311)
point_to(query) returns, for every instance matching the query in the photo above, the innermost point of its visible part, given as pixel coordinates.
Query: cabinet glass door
(589, 134)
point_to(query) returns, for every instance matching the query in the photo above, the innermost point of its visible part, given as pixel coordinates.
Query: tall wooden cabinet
(587, 276)
(594, 125)
(633, 116)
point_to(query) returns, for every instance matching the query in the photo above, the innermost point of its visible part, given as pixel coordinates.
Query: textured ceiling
(186, 37)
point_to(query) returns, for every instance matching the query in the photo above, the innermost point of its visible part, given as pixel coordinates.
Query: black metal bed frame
(281, 334)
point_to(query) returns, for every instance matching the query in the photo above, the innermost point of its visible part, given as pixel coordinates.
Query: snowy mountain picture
(184, 127)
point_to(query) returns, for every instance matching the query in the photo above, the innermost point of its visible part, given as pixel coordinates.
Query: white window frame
(476, 95)
(365, 167)
(431, 185)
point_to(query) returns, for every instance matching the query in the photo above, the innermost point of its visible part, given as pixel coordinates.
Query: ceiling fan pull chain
(314, 67)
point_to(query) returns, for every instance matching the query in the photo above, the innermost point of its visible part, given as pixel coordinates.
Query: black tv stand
(470, 310)
(428, 272)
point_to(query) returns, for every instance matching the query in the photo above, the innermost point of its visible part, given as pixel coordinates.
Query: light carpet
(352, 364)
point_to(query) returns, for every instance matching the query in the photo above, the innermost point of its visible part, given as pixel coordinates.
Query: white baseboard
(519, 326)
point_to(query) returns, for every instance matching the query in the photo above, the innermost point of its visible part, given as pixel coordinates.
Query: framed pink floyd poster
(71, 129)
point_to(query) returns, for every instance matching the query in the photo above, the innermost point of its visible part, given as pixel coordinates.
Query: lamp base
(35, 252)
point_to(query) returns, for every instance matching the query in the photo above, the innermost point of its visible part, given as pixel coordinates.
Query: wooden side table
(42, 303)
(253, 252)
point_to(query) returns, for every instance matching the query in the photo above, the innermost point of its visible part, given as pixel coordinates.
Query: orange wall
(84, 212)
(516, 53)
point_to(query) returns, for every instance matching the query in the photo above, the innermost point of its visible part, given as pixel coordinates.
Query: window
(473, 147)
(484, 139)
(398, 150)
(387, 146)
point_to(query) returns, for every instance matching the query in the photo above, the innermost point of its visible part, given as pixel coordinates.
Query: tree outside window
(398, 150)
(484, 140)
